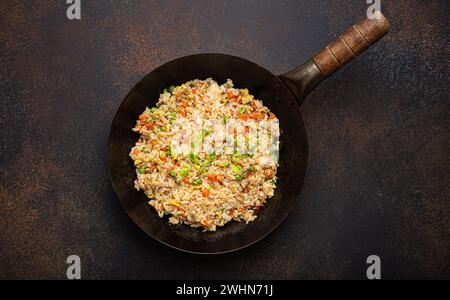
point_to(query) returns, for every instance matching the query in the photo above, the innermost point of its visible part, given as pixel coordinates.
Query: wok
(282, 94)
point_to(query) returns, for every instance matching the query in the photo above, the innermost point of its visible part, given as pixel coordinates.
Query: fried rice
(191, 185)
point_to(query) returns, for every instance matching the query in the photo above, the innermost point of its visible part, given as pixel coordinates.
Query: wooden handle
(351, 43)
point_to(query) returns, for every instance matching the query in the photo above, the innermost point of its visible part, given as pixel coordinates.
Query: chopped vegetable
(194, 158)
(268, 173)
(243, 117)
(236, 169)
(171, 151)
(153, 109)
(220, 178)
(205, 133)
(243, 110)
(173, 173)
(143, 118)
(174, 202)
(212, 177)
(211, 156)
(203, 167)
(141, 170)
(197, 181)
(185, 171)
(238, 177)
(205, 193)
(226, 164)
(171, 88)
(252, 168)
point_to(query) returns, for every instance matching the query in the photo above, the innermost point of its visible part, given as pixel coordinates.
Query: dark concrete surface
(378, 176)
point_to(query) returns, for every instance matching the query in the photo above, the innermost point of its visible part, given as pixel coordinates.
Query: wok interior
(293, 151)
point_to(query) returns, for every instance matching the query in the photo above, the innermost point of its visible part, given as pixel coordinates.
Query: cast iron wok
(282, 94)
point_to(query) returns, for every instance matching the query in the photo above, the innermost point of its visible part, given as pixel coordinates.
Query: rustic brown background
(378, 177)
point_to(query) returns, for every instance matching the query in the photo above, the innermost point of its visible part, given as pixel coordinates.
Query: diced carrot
(184, 103)
(272, 116)
(165, 148)
(268, 173)
(143, 118)
(247, 129)
(261, 116)
(243, 117)
(205, 193)
(136, 151)
(208, 109)
(186, 180)
(182, 113)
(164, 158)
(154, 142)
(219, 178)
(149, 126)
(212, 177)
(230, 94)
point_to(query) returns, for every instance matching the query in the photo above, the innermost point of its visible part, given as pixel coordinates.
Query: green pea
(238, 177)
(193, 158)
(141, 170)
(197, 181)
(171, 88)
(185, 171)
(173, 173)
